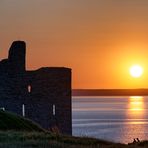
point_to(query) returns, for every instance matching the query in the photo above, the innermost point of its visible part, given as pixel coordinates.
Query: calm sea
(118, 119)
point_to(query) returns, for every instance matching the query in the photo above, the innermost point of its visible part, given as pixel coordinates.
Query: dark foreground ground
(13, 139)
(18, 132)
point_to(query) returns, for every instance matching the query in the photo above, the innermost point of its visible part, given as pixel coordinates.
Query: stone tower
(17, 55)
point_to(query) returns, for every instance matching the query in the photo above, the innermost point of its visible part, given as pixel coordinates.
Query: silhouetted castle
(43, 95)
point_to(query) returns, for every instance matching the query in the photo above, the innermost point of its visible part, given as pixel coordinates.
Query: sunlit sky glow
(98, 39)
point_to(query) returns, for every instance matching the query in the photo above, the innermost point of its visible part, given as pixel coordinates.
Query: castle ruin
(42, 95)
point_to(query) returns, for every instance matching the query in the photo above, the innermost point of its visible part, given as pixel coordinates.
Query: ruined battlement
(42, 95)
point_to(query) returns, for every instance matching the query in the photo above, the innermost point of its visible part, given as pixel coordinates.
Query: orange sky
(98, 39)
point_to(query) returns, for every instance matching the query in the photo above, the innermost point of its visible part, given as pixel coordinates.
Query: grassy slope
(9, 121)
(13, 139)
(17, 132)
(47, 140)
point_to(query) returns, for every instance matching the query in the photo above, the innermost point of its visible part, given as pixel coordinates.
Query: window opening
(54, 109)
(23, 110)
(29, 88)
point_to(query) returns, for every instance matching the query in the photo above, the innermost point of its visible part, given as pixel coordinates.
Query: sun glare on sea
(136, 71)
(136, 103)
(136, 108)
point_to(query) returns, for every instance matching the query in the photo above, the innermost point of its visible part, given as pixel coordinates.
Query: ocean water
(118, 119)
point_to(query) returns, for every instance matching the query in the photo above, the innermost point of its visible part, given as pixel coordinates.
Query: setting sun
(136, 71)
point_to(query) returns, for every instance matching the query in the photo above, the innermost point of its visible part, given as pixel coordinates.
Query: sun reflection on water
(136, 105)
(135, 127)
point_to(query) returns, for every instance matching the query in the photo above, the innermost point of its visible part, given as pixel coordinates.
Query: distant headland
(110, 92)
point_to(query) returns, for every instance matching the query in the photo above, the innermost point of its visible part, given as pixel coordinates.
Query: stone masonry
(42, 95)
